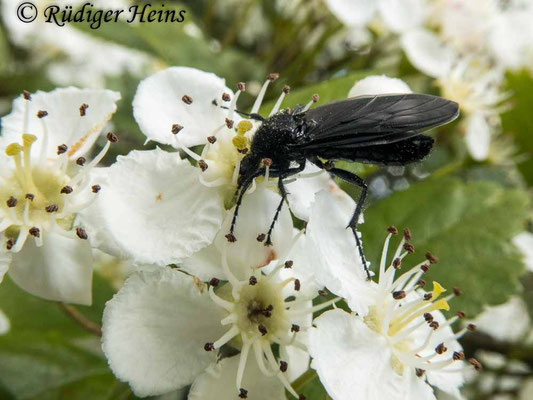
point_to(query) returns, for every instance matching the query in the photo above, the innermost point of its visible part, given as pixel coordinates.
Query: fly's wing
(374, 120)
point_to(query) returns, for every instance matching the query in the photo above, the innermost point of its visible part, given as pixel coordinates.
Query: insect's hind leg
(353, 179)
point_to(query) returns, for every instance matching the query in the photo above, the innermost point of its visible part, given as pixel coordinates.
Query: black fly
(381, 129)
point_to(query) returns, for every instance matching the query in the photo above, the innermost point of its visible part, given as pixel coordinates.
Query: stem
(81, 319)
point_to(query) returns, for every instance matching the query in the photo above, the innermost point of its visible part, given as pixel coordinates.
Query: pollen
(240, 142)
(244, 126)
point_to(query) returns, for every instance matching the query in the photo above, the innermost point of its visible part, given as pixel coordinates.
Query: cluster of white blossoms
(467, 46)
(221, 315)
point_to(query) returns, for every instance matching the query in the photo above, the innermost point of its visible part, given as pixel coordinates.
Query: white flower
(148, 191)
(399, 346)
(162, 330)
(524, 242)
(45, 183)
(379, 84)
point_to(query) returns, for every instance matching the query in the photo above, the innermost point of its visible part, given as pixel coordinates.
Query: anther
(283, 366)
(399, 295)
(424, 267)
(428, 317)
(431, 258)
(420, 372)
(261, 328)
(434, 325)
(288, 111)
(260, 237)
(80, 232)
(62, 148)
(323, 293)
(392, 229)
(214, 282)
(212, 139)
(241, 86)
(408, 247)
(297, 285)
(295, 328)
(229, 123)
(52, 208)
(83, 109)
(286, 89)
(396, 263)
(289, 264)
(112, 137)
(231, 238)
(26, 95)
(243, 393)
(273, 76)
(9, 244)
(407, 234)
(96, 188)
(441, 349)
(460, 314)
(209, 346)
(301, 397)
(421, 283)
(176, 128)
(456, 291)
(243, 151)
(458, 356)
(81, 161)
(315, 98)
(475, 363)
(226, 97)
(29, 196)
(11, 202)
(186, 99)
(41, 114)
(35, 232)
(471, 327)
(66, 189)
(328, 165)
(428, 296)
(252, 281)
(203, 165)
(267, 162)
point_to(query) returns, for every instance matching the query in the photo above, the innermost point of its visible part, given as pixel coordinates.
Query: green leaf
(518, 119)
(46, 355)
(467, 226)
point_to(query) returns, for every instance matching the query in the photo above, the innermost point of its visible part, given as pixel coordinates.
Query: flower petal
(64, 124)
(60, 270)
(524, 242)
(154, 209)
(218, 382)
(352, 12)
(5, 325)
(5, 261)
(255, 216)
(478, 136)
(154, 330)
(158, 105)
(401, 16)
(379, 84)
(301, 192)
(427, 53)
(332, 252)
(354, 362)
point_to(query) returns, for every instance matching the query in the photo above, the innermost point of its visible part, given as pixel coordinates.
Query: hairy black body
(382, 129)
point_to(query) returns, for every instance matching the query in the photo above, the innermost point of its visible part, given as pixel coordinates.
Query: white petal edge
(402, 16)
(154, 330)
(478, 136)
(158, 105)
(154, 209)
(352, 12)
(63, 122)
(60, 270)
(379, 84)
(427, 53)
(218, 382)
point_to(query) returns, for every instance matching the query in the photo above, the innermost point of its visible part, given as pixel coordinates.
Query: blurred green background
(465, 211)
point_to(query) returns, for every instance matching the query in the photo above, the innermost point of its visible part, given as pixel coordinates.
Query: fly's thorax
(274, 136)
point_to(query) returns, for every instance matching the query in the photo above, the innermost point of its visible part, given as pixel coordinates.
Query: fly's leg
(283, 193)
(353, 179)
(243, 188)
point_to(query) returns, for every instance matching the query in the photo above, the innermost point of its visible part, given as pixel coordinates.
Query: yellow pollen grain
(240, 142)
(243, 127)
(28, 139)
(13, 149)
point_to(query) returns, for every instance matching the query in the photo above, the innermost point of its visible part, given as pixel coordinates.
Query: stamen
(221, 302)
(187, 99)
(242, 362)
(83, 109)
(314, 99)
(234, 331)
(275, 109)
(261, 95)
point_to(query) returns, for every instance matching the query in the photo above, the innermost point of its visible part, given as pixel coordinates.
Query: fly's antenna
(253, 116)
